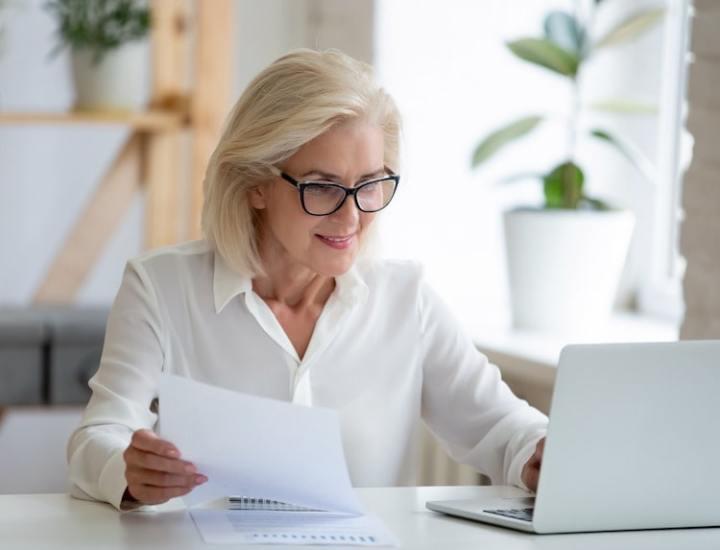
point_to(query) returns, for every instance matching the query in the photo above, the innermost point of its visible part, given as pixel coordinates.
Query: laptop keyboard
(524, 514)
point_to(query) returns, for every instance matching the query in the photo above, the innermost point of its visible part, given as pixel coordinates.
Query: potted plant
(109, 45)
(565, 258)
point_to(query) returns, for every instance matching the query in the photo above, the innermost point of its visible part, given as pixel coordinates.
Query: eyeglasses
(322, 198)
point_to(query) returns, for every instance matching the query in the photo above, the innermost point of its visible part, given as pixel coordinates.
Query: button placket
(302, 390)
(328, 326)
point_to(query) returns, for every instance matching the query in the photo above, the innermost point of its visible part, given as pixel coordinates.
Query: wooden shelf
(141, 120)
(166, 153)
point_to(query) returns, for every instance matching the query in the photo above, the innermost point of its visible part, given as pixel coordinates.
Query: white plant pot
(120, 81)
(564, 266)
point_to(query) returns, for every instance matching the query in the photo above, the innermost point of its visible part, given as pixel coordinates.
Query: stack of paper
(265, 449)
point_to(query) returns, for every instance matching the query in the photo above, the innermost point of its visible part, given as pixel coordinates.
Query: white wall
(265, 31)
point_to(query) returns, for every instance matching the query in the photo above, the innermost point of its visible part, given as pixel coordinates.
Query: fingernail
(172, 453)
(200, 479)
(190, 469)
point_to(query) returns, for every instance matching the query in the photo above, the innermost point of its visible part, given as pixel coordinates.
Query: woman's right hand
(154, 470)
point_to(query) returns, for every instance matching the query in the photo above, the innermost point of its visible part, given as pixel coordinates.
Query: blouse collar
(350, 288)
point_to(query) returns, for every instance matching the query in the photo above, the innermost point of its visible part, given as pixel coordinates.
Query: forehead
(346, 149)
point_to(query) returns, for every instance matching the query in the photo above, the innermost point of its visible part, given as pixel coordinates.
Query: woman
(276, 301)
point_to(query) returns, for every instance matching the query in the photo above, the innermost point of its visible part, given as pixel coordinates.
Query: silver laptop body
(633, 443)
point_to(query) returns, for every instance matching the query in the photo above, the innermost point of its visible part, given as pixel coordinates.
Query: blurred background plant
(98, 25)
(565, 48)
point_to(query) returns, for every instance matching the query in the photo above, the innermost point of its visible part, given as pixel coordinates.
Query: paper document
(282, 465)
(256, 447)
(263, 527)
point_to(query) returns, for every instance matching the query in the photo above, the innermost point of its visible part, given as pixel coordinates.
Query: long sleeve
(122, 391)
(466, 404)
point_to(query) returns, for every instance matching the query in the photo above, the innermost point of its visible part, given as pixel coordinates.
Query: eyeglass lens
(323, 199)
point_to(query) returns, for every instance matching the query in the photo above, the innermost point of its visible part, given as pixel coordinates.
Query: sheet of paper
(256, 447)
(262, 527)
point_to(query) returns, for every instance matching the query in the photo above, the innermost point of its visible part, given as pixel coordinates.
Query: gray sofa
(48, 353)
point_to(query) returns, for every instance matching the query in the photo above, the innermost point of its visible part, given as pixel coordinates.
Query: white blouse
(385, 352)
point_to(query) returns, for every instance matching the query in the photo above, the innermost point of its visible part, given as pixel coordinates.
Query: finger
(532, 478)
(534, 459)
(142, 476)
(148, 441)
(539, 450)
(541, 446)
(148, 494)
(136, 457)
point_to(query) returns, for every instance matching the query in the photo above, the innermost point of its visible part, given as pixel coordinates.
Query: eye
(321, 189)
(369, 186)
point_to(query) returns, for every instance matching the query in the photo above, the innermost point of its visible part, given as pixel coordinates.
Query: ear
(257, 197)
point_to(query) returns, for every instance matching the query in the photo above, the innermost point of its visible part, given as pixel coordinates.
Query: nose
(348, 212)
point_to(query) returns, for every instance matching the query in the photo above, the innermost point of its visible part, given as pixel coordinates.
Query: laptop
(633, 443)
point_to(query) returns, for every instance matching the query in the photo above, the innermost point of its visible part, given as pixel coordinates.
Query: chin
(338, 270)
(336, 267)
(333, 263)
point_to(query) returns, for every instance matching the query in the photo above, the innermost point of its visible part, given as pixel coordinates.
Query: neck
(291, 284)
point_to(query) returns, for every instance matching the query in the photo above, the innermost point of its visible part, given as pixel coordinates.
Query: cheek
(368, 232)
(366, 220)
(290, 224)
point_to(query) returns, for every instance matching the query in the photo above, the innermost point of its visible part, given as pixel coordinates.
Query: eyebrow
(330, 176)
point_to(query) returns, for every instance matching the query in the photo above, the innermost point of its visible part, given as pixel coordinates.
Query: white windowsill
(526, 348)
(528, 359)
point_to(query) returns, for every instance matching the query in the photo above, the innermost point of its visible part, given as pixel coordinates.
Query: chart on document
(279, 527)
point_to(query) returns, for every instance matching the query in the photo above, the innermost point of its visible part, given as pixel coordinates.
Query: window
(455, 82)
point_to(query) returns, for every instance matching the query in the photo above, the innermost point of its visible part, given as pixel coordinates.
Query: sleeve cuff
(519, 461)
(112, 482)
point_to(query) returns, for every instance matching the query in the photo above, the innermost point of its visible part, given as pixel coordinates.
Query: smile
(336, 241)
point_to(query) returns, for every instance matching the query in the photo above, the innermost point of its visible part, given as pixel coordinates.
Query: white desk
(57, 521)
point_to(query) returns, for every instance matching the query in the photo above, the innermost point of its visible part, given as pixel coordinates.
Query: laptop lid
(633, 440)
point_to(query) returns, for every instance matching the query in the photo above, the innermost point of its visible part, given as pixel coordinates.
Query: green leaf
(563, 186)
(624, 106)
(545, 53)
(99, 25)
(636, 158)
(631, 28)
(501, 137)
(565, 31)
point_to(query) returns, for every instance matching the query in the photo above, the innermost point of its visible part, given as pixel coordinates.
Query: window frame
(661, 295)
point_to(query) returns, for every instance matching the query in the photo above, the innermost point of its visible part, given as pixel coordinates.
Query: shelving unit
(169, 143)
(153, 120)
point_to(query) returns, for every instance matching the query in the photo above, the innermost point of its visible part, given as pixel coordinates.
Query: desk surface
(58, 521)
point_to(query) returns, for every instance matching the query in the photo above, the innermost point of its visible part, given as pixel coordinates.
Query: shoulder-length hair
(295, 99)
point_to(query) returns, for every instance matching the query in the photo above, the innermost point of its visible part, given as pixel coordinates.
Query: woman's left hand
(531, 471)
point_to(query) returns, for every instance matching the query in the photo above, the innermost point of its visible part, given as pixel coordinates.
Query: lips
(336, 238)
(337, 241)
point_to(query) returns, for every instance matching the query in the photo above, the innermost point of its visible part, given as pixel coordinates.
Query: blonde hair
(295, 99)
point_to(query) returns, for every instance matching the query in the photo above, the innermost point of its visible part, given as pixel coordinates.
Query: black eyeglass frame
(349, 191)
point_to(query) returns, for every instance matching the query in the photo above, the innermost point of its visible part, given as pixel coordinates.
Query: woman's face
(348, 154)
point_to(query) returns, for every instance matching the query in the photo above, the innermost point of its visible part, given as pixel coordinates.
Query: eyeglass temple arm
(276, 171)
